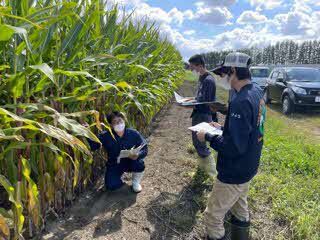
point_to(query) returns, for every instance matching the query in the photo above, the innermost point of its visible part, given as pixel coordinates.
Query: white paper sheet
(127, 153)
(207, 128)
(185, 101)
(180, 99)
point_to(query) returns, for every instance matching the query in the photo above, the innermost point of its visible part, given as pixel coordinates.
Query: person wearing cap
(121, 138)
(239, 150)
(202, 113)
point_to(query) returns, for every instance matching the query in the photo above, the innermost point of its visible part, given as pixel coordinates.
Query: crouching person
(121, 138)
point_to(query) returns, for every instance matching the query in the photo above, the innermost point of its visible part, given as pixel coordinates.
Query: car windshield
(304, 75)
(259, 72)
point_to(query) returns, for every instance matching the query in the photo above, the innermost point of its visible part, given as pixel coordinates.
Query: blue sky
(197, 26)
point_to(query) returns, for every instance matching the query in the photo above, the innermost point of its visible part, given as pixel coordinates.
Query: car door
(280, 85)
(272, 84)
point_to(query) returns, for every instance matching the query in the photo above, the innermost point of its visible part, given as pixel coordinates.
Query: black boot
(209, 238)
(239, 230)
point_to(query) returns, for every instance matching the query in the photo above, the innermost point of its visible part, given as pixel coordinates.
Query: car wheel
(266, 97)
(287, 105)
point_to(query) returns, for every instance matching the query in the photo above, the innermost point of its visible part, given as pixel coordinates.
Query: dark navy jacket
(239, 148)
(113, 145)
(206, 93)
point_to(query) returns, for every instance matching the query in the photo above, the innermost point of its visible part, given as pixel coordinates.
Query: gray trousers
(201, 147)
(225, 197)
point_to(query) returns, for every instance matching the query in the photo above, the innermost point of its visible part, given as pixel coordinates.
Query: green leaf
(6, 32)
(71, 37)
(124, 85)
(123, 56)
(85, 74)
(8, 187)
(14, 116)
(63, 136)
(16, 84)
(46, 70)
(3, 67)
(23, 33)
(141, 67)
(33, 194)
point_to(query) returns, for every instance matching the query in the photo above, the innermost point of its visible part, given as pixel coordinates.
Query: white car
(260, 75)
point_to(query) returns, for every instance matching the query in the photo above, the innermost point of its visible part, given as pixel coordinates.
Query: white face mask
(225, 82)
(119, 127)
(195, 73)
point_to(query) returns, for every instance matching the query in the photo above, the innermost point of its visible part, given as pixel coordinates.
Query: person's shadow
(117, 203)
(175, 215)
(109, 204)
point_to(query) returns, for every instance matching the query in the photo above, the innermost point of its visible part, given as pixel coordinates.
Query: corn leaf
(6, 32)
(4, 228)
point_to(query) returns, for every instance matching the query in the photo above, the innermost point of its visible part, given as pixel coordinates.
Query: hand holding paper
(189, 102)
(206, 128)
(132, 153)
(201, 136)
(181, 100)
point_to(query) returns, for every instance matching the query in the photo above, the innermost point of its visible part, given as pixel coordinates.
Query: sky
(199, 26)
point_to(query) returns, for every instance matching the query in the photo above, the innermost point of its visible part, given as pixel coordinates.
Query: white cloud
(214, 12)
(266, 4)
(174, 16)
(216, 3)
(213, 15)
(126, 2)
(299, 21)
(189, 32)
(251, 17)
(311, 2)
(234, 39)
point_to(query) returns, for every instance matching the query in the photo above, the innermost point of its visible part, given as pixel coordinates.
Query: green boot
(239, 230)
(208, 165)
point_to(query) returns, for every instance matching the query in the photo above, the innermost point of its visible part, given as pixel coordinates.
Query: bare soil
(173, 198)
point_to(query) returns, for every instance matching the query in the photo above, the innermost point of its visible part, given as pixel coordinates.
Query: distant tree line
(282, 53)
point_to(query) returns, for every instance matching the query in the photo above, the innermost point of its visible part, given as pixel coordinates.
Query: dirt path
(167, 207)
(173, 199)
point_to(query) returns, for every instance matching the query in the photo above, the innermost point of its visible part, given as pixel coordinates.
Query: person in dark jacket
(121, 138)
(202, 113)
(239, 151)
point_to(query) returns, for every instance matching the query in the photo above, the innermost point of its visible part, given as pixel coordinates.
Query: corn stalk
(64, 63)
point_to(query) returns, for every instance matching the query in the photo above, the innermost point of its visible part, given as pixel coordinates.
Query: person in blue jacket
(206, 92)
(121, 138)
(239, 150)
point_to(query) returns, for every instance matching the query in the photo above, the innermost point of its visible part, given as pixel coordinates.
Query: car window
(259, 72)
(303, 74)
(274, 75)
(280, 75)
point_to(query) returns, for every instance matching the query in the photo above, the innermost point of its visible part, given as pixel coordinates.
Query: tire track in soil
(167, 207)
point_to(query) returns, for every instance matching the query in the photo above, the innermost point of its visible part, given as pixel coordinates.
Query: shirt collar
(124, 135)
(203, 77)
(244, 87)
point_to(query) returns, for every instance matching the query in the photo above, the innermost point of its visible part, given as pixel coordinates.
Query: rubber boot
(209, 238)
(239, 230)
(208, 165)
(136, 180)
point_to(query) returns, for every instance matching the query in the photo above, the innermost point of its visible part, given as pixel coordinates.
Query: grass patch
(289, 179)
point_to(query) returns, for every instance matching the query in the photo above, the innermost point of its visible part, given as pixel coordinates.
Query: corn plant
(64, 63)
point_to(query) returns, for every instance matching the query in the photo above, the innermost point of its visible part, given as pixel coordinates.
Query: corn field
(64, 63)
